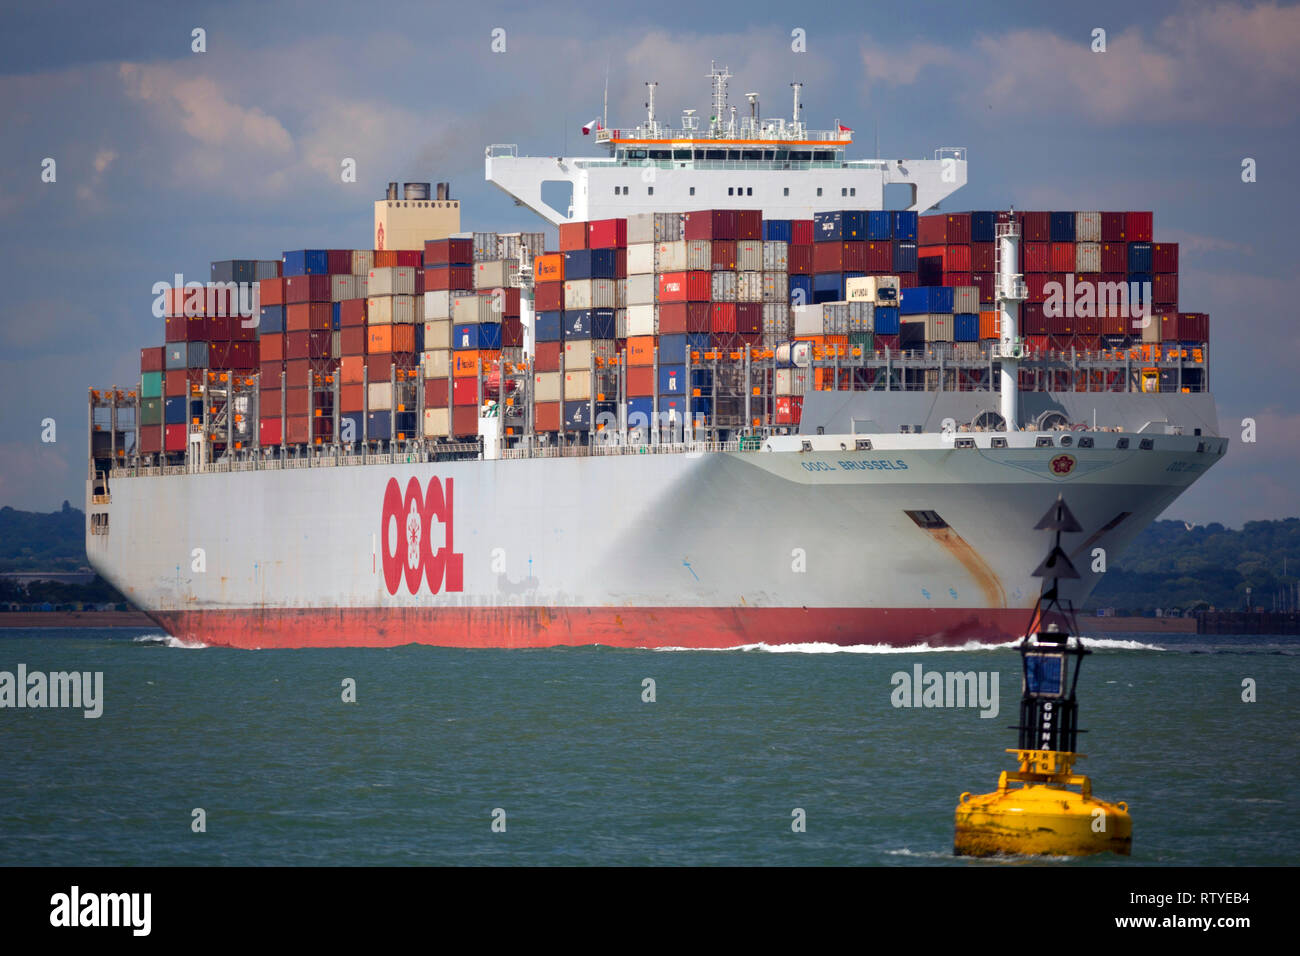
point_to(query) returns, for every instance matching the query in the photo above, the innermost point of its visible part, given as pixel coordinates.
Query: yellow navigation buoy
(1042, 817)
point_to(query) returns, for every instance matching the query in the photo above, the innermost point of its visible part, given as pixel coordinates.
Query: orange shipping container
(546, 416)
(390, 338)
(549, 268)
(385, 258)
(640, 350)
(990, 325)
(467, 361)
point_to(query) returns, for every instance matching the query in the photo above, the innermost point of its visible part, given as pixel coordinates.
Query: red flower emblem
(1063, 464)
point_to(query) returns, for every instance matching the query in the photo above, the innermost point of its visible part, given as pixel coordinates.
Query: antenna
(797, 86)
(604, 119)
(753, 111)
(650, 103)
(719, 78)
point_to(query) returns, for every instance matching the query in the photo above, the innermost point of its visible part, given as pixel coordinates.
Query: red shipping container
(1036, 257)
(855, 256)
(1062, 257)
(196, 329)
(176, 382)
(672, 318)
(305, 316)
(788, 410)
(697, 317)
(352, 340)
(983, 256)
(436, 391)
(313, 288)
(297, 430)
(1036, 226)
(1164, 289)
(546, 417)
(955, 258)
(1114, 257)
(943, 229)
(1138, 226)
(464, 421)
(352, 398)
(1034, 344)
(640, 381)
(270, 372)
(1112, 325)
(879, 258)
(546, 356)
(464, 391)
(1102, 296)
(722, 317)
(1032, 319)
(297, 372)
(749, 318)
(1088, 325)
(151, 360)
(1168, 322)
(295, 402)
(802, 232)
(174, 302)
(1112, 227)
(510, 308)
(297, 345)
(573, 235)
(219, 328)
(270, 291)
(986, 282)
(219, 355)
(606, 233)
(512, 333)
(699, 286)
(174, 328)
(273, 347)
(442, 252)
(409, 259)
(893, 342)
(715, 224)
(828, 257)
(1164, 257)
(1062, 324)
(352, 312)
(957, 278)
(1194, 327)
(548, 296)
(449, 279)
(907, 280)
(724, 255)
(800, 258)
(620, 263)
(175, 439)
(244, 328)
(749, 224)
(150, 440)
(352, 368)
(338, 261)
(1087, 341)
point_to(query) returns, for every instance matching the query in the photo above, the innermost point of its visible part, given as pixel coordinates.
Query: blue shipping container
(923, 299)
(886, 320)
(843, 226)
(697, 341)
(485, 335)
(902, 226)
(1063, 227)
(1139, 257)
(801, 289)
(966, 327)
(983, 226)
(549, 326)
(577, 416)
(877, 225)
(639, 412)
(828, 287)
(672, 349)
(175, 411)
(904, 256)
(306, 262)
(1139, 287)
(197, 355)
(350, 426)
(232, 270)
(776, 230)
(672, 379)
(589, 323)
(175, 355)
(673, 407)
(335, 322)
(271, 320)
(590, 264)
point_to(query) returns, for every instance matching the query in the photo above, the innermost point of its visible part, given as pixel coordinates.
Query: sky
(166, 158)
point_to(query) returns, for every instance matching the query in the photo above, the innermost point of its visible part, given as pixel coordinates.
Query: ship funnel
(392, 192)
(444, 191)
(415, 191)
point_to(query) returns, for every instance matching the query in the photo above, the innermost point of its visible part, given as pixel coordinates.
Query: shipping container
(300, 262)
(352, 312)
(800, 260)
(548, 326)
(776, 230)
(902, 225)
(1062, 256)
(944, 229)
(1138, 227)
(588, 293)
(606, 234)
(573, 235)
(590, 264)
(1035, 226)
(445, 252)
(713, 224)
(478, 335)
(589, 323)
(1087, 257)
(776, 287)
(641, 258)
(1112, 227)
(1062, 227)
(926, 299)
(905, 256)
(1087, 227)
(1164, 257)
(307, 316)
(270, 292)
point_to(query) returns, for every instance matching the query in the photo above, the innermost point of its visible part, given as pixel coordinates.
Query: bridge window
(731, 191)
(661, 154)
(819, 190)
(853, 190)
(844, 191)
(715, 154)
(822, 156)
(749, 191)
(692, 190)
(752, 154)
(800, 155)
(786, 192)
(681, 154)
(650, 190)
(733, 155)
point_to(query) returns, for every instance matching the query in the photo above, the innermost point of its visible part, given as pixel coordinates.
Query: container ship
(740, 402)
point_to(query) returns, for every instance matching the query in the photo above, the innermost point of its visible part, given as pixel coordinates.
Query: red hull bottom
(702, 627)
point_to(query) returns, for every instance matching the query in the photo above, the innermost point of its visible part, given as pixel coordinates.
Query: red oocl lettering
(407, 531)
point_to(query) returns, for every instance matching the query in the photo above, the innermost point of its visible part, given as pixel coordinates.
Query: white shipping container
(343, 287)
(436, 362)
(641, 320)
(808, 320)
(437, 422)
(437, 305)
(496, 274)
(363, 260)
(589, 294)
(776, 287)
(1087, 257)
(670, 256)
(620, 322)
(390, 309)
(776, 319)
(776, 256)
(724, 287)
(641, 290)
(380, 396)
(792, 381)
(1150, 332)
(485, 246)
(965, 298)
(835, 318)
(938, 325)
(578, 353)
(749, 287)
(882, 290)
(393, 280)
(437, 334)
(640, 255)
(699, 254)
(620, 293)
(336, 342)
(474, 309)
(669, 226)
(1087, 227)
(577, 385)
(546, 386)
(862, 316)
(362, 286)
(749, 255)
(640, 230)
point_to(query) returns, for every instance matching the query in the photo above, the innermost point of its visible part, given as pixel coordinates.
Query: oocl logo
(407, 532)
(1063, 464)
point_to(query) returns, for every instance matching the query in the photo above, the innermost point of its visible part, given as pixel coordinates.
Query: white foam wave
(824, 648)
(1111, 643)
(166, 640)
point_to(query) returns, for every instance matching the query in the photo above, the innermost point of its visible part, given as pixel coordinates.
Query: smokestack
(415, 191)
(392, 191)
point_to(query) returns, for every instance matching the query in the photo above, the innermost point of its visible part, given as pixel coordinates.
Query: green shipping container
(151, 384)
(151, 409)
(862, 339)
